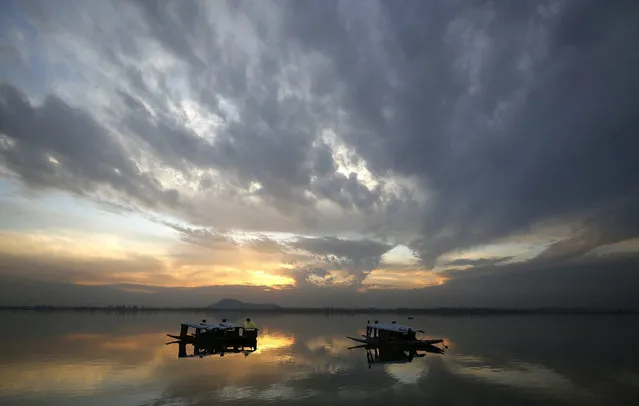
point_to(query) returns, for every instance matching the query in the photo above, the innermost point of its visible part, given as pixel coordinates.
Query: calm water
(100, 359)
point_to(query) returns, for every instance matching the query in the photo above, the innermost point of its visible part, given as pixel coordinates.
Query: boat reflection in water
(215, 339)
(383, 355)
(201, 350)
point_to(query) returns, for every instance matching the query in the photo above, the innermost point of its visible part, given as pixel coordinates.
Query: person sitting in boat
(411, 335)
(249, 324)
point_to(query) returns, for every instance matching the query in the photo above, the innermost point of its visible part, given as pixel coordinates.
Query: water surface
(75, 358)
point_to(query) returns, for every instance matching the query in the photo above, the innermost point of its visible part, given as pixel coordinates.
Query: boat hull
(376, 342)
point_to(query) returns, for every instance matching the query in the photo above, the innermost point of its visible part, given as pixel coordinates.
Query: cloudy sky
(414, 153)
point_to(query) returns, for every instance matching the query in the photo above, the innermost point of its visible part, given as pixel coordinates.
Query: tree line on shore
(325, 310)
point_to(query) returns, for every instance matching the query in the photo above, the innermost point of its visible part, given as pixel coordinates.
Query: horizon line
(331, 309)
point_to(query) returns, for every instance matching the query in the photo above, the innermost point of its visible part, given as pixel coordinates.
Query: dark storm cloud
(356, 250)
(266, 245)
(204, 237)
(358, 257)
(509, 113)
(506, 114)
(174, 26)
(348, 192)
(309, 276)
(55, 145)
(175, 145)
(275, 156)
(607, 225)
(606, 281)
(267, 136)
(273, 142)
(478, 261)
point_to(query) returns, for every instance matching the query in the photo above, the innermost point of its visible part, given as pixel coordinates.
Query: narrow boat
(387, 335)
(223, 334)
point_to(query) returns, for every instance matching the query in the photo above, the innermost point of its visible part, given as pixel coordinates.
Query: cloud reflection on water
(299, 359)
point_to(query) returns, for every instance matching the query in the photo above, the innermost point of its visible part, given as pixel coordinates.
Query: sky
(316, 153)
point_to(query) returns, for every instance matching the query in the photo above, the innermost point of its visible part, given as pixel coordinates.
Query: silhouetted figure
(249, 324)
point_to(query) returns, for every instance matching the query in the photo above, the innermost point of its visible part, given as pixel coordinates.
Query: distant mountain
(236, 304)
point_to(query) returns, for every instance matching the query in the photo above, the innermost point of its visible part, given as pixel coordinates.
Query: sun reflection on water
(293, 361)
(271, 341)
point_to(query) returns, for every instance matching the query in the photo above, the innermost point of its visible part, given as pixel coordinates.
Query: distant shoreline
(442, 311)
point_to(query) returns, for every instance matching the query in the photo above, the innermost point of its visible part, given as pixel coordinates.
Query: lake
(77, 358)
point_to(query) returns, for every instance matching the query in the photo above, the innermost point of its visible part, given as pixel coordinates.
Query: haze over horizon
(315, 153)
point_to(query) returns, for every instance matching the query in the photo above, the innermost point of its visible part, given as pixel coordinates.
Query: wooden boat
(396, 335)
(223, 334)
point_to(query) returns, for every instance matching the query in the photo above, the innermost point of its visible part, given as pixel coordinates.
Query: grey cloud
(533, 125)
(608, 225)
(275, 159)
(139, 89)
(358, 257)
(348, 192)
(205, 237)
(220, 240)
(266, 245)
(600, 282)
(174, 144)
(174, 26)
(353, 249)
(13, 56)
(506, 114)
(310, 256)
(478, 261)
(323, 160)
(55, 145)
(309, 276)
(272, 142)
